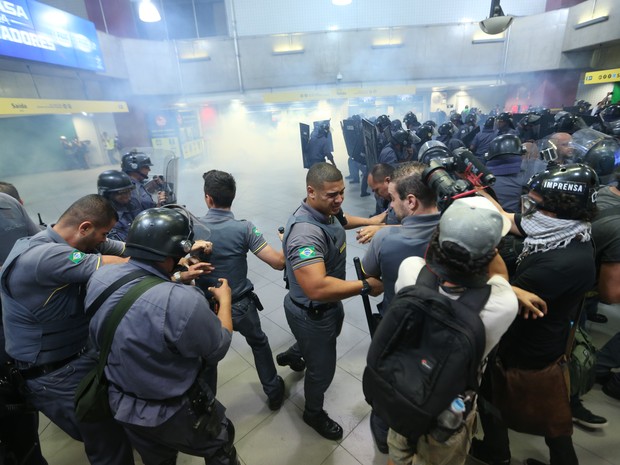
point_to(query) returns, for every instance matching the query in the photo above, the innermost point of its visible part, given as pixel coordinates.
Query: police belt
(46, 368)
(245, 295)
(315, 308)
(249, 295)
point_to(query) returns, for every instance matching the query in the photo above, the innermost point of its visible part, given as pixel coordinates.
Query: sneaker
(324, 425)
(480, 453)
(287, 359)
(582, 416)
(364, 194)
(533, 462)
(275, 402)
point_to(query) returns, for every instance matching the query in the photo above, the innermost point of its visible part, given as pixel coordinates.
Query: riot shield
(547, 126)
(304, 135)
(353, 139)
(370, 143)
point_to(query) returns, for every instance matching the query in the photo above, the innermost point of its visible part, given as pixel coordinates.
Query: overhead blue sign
(39, 32)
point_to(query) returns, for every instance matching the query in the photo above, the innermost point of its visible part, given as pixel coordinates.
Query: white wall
(284, 16)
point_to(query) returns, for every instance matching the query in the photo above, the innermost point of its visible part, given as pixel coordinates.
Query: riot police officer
(399, 149)
(411, 121)
(503, 159)
(117, 187)
(446, 136)
(505, 124)
(138, 165)
(319, 147)
(481, 141)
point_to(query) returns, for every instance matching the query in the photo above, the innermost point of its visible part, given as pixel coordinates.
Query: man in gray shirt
(232, 240)
(415, 206)
(315, 251)
(46, 325)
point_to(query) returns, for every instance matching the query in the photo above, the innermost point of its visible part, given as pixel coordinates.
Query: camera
(443, 170)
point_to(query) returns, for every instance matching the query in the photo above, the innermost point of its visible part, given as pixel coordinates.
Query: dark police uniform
(126, 214)
(388, 155)
(140, 196)
(46, 331)
(390, 246)
(482, 140)
(311, 238)
(157, 353)
(232, 240)
(318, 148)
(509, 181)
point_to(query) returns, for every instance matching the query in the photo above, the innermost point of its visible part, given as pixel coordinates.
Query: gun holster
(208, 410)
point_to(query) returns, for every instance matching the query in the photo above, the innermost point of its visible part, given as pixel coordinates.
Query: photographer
(555, 269)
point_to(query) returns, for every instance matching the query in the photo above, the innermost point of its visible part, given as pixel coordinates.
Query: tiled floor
(269, 189)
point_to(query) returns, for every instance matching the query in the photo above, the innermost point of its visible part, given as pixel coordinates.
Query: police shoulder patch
(76, 256)
(307, 252)
(255, 231)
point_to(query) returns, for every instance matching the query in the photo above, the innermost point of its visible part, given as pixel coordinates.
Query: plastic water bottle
(449, 421)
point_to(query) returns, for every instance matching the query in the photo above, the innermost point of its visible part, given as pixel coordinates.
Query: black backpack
(426, 351)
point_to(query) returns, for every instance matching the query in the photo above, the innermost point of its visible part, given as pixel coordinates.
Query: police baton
(371, 319)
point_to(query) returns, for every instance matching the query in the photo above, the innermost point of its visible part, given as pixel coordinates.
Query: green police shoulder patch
(307, 252)
(76, 256)
(255, 231)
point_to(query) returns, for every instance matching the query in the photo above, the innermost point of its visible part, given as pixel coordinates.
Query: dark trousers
(247, 322)
(19, 432)
(160, 445)
(53, 394)
(316, 343)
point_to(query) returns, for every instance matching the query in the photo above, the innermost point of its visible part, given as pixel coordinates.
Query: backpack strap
(428, 279)
(90, 311)
(117, 314)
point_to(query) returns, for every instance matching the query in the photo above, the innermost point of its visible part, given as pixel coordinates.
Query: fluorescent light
(290, 51)
(147, 12)
(590, 22)
(379, 46)
(488, 41)
(341, 2)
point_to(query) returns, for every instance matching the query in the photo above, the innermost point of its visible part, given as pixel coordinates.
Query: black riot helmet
(158, 233)
(404, 138)
(113, 181)
(531, 119)
(410, 120)
(507, 144)
(424, 133)
(471, 119)
(455, 118)
(134, 160)
(610, 117)
(446, 129)
(565, 121)
(489, 123)
(569, 191)
(603, 156)
(396, 125)
(324, 127)
(430, 123)
(507, 118)
(382, 122)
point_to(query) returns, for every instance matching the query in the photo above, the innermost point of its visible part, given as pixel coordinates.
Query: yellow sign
(337, 93)
(599, 77)
(33, 106)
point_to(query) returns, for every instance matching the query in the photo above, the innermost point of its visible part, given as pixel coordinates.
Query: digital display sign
(38, 32)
